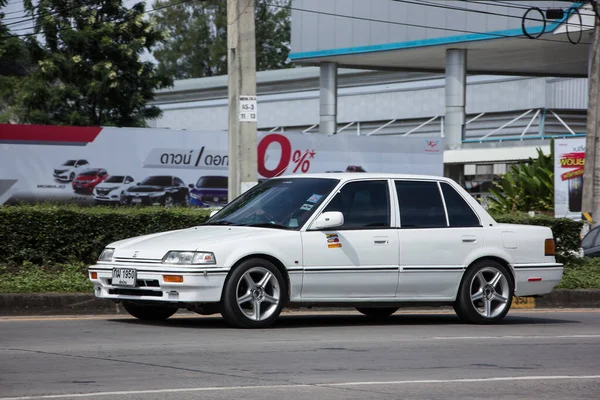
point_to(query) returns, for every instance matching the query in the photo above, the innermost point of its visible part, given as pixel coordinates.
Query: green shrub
(581, 273)
(567, 232)
(61, 234)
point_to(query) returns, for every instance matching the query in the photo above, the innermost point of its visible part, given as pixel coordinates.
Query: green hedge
(567, 232)
(62, 234)
(59, 234)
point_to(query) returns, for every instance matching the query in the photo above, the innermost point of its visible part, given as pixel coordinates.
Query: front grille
(103, 192)
(136, 292)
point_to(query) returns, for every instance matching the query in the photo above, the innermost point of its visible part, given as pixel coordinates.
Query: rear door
(438, 233)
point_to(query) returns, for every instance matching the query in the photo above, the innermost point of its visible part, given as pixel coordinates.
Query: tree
(197, 45)
(14, 64)
(526, 187)
(89, 70)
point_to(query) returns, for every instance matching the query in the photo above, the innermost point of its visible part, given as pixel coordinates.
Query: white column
(328, 98)
(456, 89)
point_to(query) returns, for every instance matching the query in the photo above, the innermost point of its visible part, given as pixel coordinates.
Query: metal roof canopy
(494, 52)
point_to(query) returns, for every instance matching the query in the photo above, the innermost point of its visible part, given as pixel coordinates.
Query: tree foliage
(526, 187)
(197, 45)
(14, 64)
(89, 70)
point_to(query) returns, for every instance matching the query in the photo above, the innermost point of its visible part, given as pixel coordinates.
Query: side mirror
(329, 219)
(139, 183)
(213, 212)
(191, 186)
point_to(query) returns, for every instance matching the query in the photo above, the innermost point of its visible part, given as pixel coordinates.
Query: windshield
(89, 172)
(158, 181)
(279, 203)
(218, 182)
(69, 163)
(115, 179)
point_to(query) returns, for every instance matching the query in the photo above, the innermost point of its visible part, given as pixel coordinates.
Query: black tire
(466, 308)
(148, 313)
(232, 312)
(169, 201)
(376, 312)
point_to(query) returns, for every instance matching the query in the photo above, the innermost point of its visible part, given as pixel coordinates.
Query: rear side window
(421, 205)
(460, 214)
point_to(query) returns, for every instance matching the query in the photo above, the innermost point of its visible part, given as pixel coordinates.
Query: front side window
(114, 179)
(277, 203)
(213, 182)
(365, 205)
(460, 214)
(421, 205)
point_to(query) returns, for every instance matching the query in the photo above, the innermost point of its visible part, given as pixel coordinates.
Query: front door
(439, 233)
(359, 259)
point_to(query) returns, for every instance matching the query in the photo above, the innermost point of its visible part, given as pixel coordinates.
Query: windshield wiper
(268, 225)
(223, 222)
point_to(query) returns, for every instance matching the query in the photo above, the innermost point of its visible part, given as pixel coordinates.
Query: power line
(492, 34)
(471, 10)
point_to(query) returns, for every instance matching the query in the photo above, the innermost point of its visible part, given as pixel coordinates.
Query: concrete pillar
(328, 98)
(456, 90)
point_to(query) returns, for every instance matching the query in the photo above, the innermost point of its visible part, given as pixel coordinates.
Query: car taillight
(549, 248)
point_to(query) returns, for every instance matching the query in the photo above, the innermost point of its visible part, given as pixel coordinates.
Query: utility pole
(241, 68)
(591, 176)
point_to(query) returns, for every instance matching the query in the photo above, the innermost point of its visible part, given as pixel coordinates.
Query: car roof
(364, 175)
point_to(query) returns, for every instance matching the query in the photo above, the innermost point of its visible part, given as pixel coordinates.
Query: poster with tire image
(569, 162)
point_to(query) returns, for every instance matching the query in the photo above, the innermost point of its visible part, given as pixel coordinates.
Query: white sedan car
(375, 242)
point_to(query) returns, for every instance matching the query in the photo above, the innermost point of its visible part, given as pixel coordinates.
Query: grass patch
(30, 278)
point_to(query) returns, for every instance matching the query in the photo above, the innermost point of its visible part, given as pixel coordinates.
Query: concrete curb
(21, 304)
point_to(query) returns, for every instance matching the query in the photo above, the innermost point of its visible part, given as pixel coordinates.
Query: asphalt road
(532, 355)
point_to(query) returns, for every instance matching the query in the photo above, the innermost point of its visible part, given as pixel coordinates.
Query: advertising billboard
(569, 162)
(163, 166)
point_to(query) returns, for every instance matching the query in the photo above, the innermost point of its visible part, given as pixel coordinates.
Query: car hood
(86, 178)
(109, 185)
(146, 188)
(204, 238)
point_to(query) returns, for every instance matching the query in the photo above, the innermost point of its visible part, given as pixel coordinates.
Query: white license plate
(123, 277)
(136, 200)
(216, 199)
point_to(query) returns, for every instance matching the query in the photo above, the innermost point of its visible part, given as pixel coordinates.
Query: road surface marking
(515, 337)
(293, 386)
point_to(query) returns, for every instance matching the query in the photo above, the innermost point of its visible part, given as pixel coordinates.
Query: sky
(20, 24)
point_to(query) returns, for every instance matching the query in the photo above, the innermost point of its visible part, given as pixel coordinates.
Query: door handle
(381, 241)
(469, 239)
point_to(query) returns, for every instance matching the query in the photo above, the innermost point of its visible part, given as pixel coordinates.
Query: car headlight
(106, 255)
(189, 258)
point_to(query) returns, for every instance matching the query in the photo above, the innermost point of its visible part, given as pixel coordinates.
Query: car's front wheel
(485, 294)
(254, 294)
(375, 312)
(148, 313)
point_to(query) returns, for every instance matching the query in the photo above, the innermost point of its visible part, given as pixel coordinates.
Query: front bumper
(144, 200)
(61, 177)
(200, 285)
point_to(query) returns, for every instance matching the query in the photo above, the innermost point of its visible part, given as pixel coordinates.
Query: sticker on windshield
(333, 241)
(307, 207)
(314, 198)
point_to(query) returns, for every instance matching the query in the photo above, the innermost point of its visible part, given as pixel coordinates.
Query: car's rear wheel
(254, 294)
(377, 312)
(485, 294)
(148, 313)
